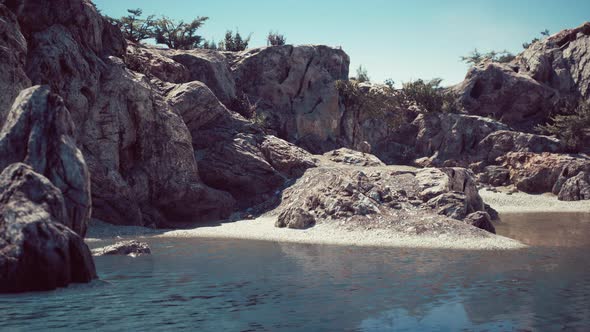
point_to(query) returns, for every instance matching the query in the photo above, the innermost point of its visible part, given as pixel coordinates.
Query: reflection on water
(223, 285)
(551, 229)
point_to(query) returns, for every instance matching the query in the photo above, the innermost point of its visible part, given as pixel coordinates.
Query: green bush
(428, 96)
(234, 42)
(275, 39)
(572, 127)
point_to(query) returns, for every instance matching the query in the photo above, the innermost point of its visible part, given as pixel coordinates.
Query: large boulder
(576, 188)
(481, 219)
(548, 75)
(38, 251)
(499, 91)
(453, 191)
(294, 91)
(38, 131)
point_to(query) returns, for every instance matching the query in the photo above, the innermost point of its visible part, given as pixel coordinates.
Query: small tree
(234, 43)
(275, 39)
(133, 27)
(573, 127)
(362, 75)
(178, 35)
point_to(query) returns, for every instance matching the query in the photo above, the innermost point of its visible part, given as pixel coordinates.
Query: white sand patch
(263, 229)
(522, 202)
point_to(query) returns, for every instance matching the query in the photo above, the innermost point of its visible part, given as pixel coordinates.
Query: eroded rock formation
(37, 250)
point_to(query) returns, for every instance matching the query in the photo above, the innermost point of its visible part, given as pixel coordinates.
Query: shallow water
(218, 285)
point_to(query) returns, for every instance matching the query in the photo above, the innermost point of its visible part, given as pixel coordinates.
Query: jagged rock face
(560, 62)
(13, 50)
(235, 155)
(38, 131)
(296, 218)
(138, 150)
(152, 61)
(294, 90)
(37, 251)
(545, 172)
(524, 92)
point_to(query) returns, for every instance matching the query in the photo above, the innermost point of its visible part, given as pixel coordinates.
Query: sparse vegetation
(476, 57)
(573, 126)
(423, 96)
(428, 96)
(234, 42)
(362, 75)
(275, 39)
(178, 35)
(135, 28)
(545, 33)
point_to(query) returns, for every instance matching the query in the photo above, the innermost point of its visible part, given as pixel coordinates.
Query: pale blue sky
(402, 40)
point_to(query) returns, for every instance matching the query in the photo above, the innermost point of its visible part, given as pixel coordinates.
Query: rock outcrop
(38, 131)
(541, 80)
(546, 172)
(131, 248)
(294, 91)
(37, 250)
(378, 196)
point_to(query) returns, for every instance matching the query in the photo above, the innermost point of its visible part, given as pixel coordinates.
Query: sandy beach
(523, 202)
(262, 229)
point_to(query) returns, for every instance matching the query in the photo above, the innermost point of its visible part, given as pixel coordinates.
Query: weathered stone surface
(500, 91)
(234, 155)
(37, 251)
(131, 248)
(294, 90)
(442, 137)
(296, 218)
(495, 175)
(576, 188)
(545, 172)
(38, 131)
(13, 52)
(152, 61)
(433, 182)
(524, 92)
(212, 68)
(355, 158)
(138, 150)
(481, 219)
(498, 143)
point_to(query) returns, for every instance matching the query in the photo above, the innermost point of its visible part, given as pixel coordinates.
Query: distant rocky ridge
(138, 135)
